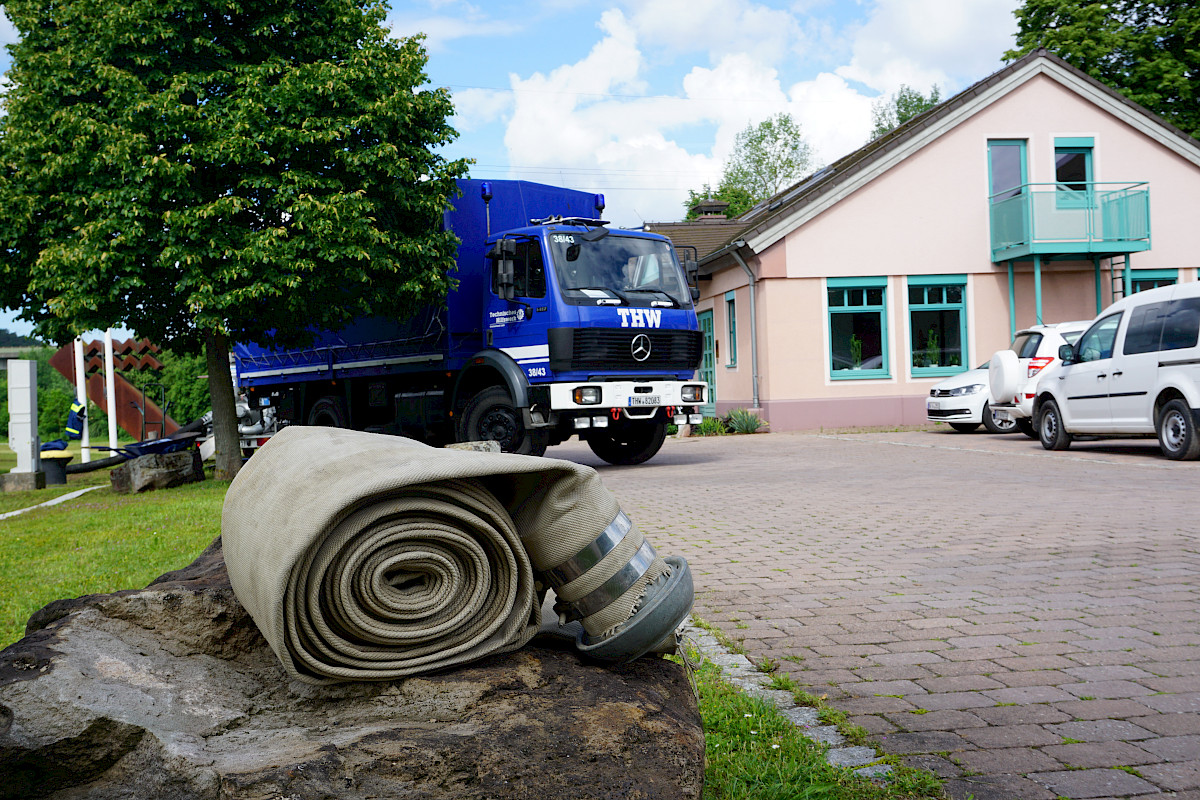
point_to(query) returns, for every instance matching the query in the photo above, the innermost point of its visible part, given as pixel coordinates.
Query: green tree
(903, 105)
(1148, 51)
(208, 171)
(739, 199)
(766, 157)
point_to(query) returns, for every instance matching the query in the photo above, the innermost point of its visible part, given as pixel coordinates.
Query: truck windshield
(618, 270)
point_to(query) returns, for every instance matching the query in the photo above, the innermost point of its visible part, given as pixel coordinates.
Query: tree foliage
(766, 157)
(207, 171)
(1149, 51)
(903, 105)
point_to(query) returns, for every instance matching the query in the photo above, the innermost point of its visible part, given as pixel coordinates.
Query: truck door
(518, 326)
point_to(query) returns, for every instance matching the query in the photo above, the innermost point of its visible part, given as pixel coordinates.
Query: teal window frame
(1022, 146)
(935, 293)
(1067, 197)
(1151, 278)
(731, 328)
(856, 297)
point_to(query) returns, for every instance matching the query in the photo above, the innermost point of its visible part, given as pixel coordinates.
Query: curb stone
(740, 672)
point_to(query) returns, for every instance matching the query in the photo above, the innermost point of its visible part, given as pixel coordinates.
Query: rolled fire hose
(369, 557)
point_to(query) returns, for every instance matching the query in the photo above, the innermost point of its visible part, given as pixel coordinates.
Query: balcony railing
(1070, 219)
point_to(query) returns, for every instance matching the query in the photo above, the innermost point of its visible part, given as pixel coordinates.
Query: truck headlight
(587, 395)
(692, 394)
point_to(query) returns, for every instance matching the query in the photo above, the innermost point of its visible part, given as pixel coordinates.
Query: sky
(642, 101)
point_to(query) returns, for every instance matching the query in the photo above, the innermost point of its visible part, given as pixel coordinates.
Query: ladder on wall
(1117, 266)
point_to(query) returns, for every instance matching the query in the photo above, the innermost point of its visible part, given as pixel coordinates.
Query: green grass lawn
(99, 542)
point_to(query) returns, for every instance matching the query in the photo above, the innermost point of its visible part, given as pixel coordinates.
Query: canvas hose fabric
(364, 556)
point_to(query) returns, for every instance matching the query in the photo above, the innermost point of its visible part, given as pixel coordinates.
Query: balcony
(1089, 220)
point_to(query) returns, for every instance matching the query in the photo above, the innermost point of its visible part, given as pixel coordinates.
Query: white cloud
(454, 20)
(718, 27)
(835, 118)
(8, 31)
(923, 42)
(475, 108)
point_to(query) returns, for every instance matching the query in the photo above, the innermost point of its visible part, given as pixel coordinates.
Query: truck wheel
(1177, 432)
(329, 412)
(490, 416)
(1025, 426)
(1050, 427)
(627, 444)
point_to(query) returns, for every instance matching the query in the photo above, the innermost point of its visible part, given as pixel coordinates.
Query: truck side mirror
(695, 291)
(692, 270)
(501, 254)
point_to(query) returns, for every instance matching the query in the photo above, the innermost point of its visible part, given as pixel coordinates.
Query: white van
(1134, 372)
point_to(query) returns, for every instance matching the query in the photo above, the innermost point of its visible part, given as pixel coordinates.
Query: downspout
(753, 318)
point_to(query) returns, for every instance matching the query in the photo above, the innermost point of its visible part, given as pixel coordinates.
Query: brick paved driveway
(1024, 623)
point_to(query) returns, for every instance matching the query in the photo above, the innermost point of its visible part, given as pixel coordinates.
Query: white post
(22, 415)
(81, 396)
(110, 391)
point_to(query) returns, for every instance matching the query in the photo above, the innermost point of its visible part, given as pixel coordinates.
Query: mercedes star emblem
(640, 347)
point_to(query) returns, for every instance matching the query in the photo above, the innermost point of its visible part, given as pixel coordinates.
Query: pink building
(1028, 197)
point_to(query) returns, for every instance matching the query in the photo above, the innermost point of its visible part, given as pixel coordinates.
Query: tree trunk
(220, 391)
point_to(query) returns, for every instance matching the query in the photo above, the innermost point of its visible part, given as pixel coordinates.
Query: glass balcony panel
(1076, 218)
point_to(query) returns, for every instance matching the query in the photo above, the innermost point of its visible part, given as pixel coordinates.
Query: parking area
(1024, 623)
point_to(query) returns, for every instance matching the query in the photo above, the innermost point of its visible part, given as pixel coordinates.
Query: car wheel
(1025, 426)
(1177, 432)
(996, 424)
(1050, 428)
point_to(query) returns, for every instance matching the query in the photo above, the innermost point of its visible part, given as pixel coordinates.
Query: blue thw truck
(559, 326)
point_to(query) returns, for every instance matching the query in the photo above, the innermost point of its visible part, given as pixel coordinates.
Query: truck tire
(1050, 427)
(627, 444)
(491, 416)
(329, 412)
(1177, 432)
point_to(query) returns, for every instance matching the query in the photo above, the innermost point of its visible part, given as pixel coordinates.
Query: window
(1143, 279)
(1181, 328)
(1097, 342)
(1006, 168)
(857, 327)
(1073, 171)
(529, 270)
(937, 317)
(1145, 328)
(731, 327)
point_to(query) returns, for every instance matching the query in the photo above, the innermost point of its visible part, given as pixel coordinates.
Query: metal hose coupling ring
(664, 604)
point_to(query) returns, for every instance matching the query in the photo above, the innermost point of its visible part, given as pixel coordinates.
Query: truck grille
(589, 349)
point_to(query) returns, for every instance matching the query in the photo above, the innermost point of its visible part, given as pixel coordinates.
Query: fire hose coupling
(657, 590)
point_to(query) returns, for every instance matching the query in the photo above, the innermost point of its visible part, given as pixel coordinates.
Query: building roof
(770, 220)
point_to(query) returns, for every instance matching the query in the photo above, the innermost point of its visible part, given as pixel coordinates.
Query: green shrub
(741, 420)
(710, 426)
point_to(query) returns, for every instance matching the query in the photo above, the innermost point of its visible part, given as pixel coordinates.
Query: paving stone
(1105, 709)
(875, 771)
(997, 787)
(945, 720)
(952, 700)
(1010, 736)
(1029, 694)
(923, 742)
(1110, 673)
(1173, 748)
(851, 756)
(1100, 730)
(802, 716)
(1094, 783)
(958, 683)
(825, 734)
(1036, 714)
(1171, 724)
(1099, 754)
(1037, 677)
(1108, 690)
(1176, 776)
(1174, 703)
(942, 767)
(998, 761)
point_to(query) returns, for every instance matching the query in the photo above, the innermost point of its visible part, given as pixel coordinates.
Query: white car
(962, 401)
(1013, 373)
(1135, 372)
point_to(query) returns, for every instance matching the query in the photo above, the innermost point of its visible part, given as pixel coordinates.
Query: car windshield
(623, 270)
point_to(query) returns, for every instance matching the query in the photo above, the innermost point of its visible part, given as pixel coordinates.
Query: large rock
(157, 471)
(171, 692)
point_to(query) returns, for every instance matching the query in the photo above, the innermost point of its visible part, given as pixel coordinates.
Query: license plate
(1003, 414)
(645, 400)
(934, 405)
